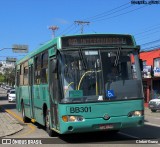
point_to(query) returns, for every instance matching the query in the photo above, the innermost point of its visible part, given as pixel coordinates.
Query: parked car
(154, 104)
(12, 96)
(3, 86)
(8, 91)
(8, 87)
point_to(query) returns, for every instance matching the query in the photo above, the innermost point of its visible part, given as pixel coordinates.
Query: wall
(149, 56)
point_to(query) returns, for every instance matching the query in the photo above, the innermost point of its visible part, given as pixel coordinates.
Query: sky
(27, 22)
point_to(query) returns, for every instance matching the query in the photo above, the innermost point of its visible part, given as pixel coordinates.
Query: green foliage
(2, 78)
(9, 76)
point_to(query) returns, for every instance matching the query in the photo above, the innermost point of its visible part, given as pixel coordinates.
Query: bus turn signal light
(72, 118)
(65, 118)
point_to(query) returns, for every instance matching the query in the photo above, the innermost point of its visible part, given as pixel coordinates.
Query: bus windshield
(99, 75)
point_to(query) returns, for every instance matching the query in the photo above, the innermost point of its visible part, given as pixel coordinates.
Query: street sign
(17, 48)
(9, 59)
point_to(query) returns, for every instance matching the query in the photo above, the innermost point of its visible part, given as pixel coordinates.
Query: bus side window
(25, 76)
(37, 69)
(44, 68)
(18, 78)
(21, 74)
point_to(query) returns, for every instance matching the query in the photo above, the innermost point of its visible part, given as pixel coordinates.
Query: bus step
(33, 120)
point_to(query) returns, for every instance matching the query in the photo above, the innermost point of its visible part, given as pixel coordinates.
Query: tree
(2, 78)
(9, 74)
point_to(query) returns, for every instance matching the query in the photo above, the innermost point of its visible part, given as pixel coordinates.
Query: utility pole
(82, 23)
(53, 28)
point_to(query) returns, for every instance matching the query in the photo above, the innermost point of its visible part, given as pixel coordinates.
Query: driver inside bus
(113, 75)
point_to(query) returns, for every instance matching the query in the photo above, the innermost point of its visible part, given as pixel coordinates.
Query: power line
(147, 30)
(76, 30)
(67, 29)
(148, 43)
(92, 29)
(103, 16)
(120, 14)
(146, 35)
(147, 46)
(99, 17)
(111, 13)
(105, 13)
(150, 48)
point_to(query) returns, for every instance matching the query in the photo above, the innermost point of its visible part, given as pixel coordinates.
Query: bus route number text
(80, 109)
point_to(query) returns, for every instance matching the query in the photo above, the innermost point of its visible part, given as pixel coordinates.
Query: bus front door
(53, 90)
(31, 91)
(18, 101)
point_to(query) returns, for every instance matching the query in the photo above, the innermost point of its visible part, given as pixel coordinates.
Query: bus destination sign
(98, 40)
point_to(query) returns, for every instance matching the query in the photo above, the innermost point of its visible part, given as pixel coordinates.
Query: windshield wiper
(83, 59)
(117, 56)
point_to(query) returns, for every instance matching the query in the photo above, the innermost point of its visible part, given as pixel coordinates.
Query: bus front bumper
(99, 124)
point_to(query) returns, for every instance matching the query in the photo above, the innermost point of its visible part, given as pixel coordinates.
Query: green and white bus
(64, 84)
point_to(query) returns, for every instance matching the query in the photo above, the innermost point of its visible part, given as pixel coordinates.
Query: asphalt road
(150, 132)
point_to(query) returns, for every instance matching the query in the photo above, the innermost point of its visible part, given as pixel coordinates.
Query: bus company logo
(106, 117)
(6, 141)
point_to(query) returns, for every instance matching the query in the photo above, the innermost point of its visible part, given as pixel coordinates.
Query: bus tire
(47, 125)
(25, 119)
(114, 131)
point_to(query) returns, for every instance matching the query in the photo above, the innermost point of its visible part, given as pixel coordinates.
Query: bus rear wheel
(47, 125)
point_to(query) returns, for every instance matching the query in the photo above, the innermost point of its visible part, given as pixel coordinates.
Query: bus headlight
(136, 113)
(72, 118)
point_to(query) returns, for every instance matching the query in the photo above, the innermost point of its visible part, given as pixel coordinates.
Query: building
(151, 73)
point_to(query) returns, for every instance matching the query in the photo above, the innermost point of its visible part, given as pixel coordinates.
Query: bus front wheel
(47, 125)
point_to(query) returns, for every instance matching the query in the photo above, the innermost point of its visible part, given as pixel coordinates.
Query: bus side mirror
(141, 64)
(54, 66)
(138, 47)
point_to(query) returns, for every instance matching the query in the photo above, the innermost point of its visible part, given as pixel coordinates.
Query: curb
(15, 124)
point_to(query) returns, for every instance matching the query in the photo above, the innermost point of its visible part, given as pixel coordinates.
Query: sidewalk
(8, 125)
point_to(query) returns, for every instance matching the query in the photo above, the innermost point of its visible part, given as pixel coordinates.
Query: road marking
(15, 115)
(33, 128)
(129, 135)
(155, 125)
(156, 118)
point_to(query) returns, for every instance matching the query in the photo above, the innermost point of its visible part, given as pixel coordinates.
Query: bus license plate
(106, 126)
